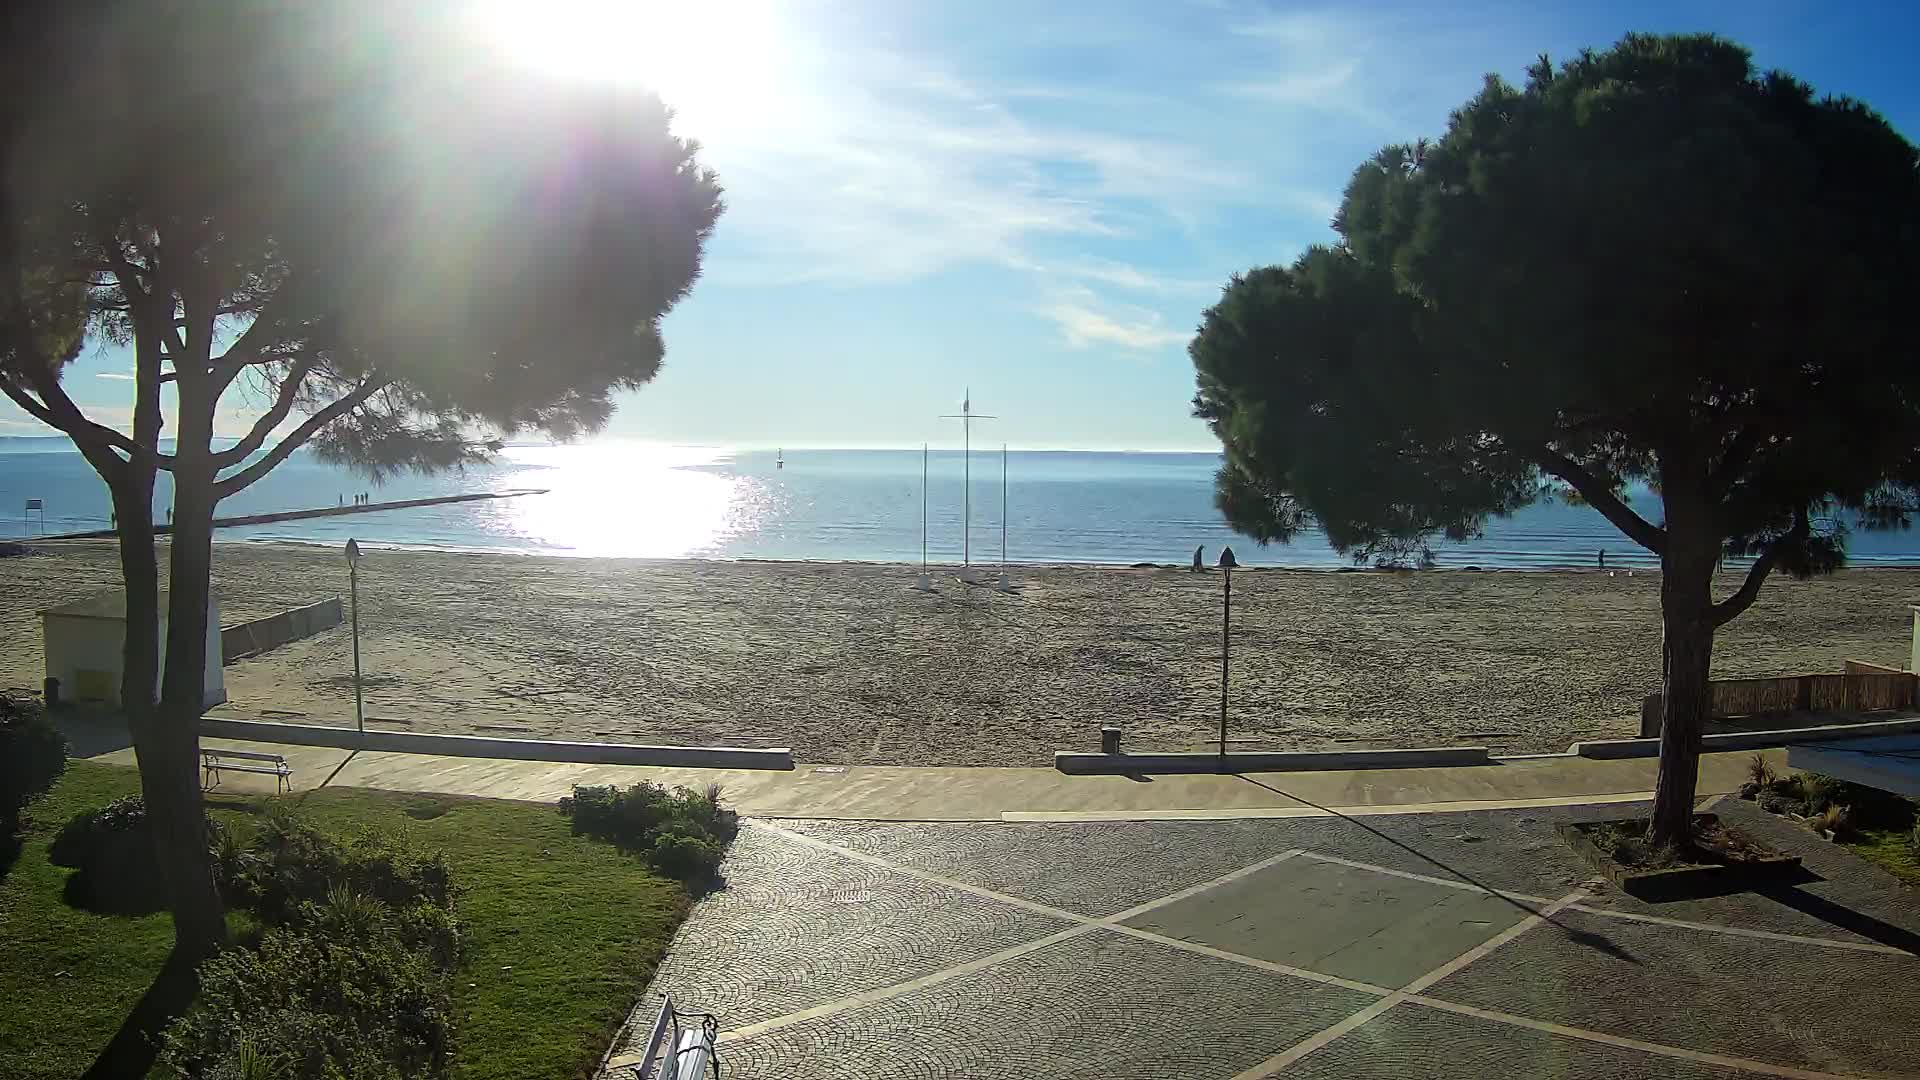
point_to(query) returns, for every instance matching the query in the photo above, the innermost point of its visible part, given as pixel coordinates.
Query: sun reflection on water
(628, 500)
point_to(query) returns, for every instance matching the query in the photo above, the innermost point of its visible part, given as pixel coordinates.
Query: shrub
(1835, 820)
(682, 833)
(1760, 771)
(33, 755)
(1816, 791)
(1776, 803)
(292, 863)
(112, 848)
(344, 998)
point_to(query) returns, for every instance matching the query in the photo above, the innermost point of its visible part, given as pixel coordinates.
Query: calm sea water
(612, 499)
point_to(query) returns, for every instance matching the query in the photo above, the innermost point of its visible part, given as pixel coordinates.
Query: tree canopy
(1651, 265)
(354, 221)
(354, 205)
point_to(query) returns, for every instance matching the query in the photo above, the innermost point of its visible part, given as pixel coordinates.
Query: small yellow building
(85, 641)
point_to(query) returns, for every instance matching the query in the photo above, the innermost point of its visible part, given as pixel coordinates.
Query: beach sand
(846, 663)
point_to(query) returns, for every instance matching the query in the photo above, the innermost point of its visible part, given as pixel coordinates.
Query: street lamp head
(353, 551)
(1227, 561)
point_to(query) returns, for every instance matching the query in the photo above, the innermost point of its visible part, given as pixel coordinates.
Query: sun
(718, 63)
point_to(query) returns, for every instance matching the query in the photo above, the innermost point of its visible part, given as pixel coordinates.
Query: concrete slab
(1337, 920)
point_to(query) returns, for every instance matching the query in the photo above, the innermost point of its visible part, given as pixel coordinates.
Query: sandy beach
(846, 663)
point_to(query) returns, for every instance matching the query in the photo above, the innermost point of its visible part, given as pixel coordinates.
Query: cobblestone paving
(848, 949)
(1092, 1007)
(1797, 1005)
(1412, 1043)
(795, 927)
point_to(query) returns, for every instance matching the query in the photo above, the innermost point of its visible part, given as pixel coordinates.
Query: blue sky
(1037, 200)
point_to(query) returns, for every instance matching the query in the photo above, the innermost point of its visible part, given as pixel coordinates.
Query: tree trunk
(174, 803)
(1686, 591)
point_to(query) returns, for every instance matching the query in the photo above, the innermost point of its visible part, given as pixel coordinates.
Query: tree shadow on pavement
(1598, 942)
(1844, 917)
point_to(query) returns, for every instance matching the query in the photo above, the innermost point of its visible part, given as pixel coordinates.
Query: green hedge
(33, 755)
(682, 833)
(352, 977)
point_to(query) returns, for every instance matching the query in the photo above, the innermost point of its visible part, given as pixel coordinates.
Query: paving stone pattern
(1413, 1043)
(1090, 869)
(1337, 920)
(1090, 1008)
(1797, 1005)
(796, 927)
(802, 927)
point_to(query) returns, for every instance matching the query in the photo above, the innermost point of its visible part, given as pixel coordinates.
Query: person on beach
(1603, 558)
(1199, 563)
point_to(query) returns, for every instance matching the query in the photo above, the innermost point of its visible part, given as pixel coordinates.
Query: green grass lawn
(562, 931)
(1891, 851)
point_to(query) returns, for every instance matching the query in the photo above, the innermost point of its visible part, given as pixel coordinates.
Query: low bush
(344, 997)
(352, 977)
(1835, 821)
(1760, 772)
(290, 863)
(682, 833)
(112, 848)
(1816, 791)
(33, 755)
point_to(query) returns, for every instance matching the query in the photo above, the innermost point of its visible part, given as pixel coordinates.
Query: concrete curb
(1083, 764)
(1747, 740)
(406, 742)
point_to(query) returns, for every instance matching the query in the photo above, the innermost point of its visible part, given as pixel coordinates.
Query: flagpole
(925, 584)
(967, 416)
(1003, 509)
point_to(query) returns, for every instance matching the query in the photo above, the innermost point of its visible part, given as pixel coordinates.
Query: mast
(967, 416)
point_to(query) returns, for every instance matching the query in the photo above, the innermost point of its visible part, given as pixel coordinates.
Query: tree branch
(1600, 495)
(241, 480)
(263, 427)
(1739, 452)
(58, 411)
(1726, 610)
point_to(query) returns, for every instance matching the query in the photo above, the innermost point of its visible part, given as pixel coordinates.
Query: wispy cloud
(117, 376)
(1086, 322)
(912, 167)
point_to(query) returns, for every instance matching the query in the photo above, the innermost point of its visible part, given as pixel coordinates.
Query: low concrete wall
(406, 742)
(1748, 740)
(1279, 761)
(259, 635)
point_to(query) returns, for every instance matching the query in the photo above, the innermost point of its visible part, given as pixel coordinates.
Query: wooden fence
(1863, 688)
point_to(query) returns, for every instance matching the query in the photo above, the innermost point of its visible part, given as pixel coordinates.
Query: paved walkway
(1392, 946)
(900, 793)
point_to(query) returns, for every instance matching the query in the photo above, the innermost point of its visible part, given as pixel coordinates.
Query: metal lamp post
(353, 586)
(1227, 563)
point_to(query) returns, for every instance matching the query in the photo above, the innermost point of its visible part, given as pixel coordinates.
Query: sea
(634, 500)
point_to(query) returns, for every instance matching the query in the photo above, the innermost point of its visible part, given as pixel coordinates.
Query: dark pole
(353, 586)
(1226, 643)
(1226, 564)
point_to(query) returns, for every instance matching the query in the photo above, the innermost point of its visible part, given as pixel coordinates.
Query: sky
(1036, 201)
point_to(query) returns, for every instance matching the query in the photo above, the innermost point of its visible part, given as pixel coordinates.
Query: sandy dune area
(846, 663)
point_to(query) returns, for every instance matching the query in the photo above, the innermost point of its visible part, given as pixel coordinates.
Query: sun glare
(716, 62)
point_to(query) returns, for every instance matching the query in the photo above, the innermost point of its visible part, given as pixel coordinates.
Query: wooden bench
(214, 762)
